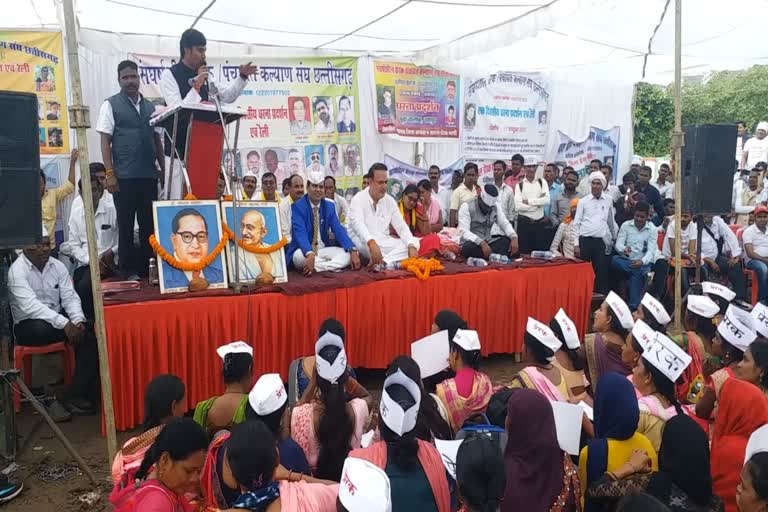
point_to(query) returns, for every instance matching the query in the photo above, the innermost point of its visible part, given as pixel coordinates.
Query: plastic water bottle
(499, 258)
(381, 267)
(477, 262)
(449, 256)
(154, 279)
(395, 265)
(544, 255)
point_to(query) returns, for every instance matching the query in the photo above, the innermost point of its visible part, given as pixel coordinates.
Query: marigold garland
(187, 267)
(251, 248)
(190, 197)
(421, 268)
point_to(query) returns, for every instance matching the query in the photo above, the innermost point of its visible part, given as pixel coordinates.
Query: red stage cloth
(382, 318)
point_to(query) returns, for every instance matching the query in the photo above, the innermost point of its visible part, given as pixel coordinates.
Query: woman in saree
(415, 216)
(700, 329)
(242, 471)
(414, 467)
(540, 374)
(470, 390)
(734, 335)
(616, 415)
(568, 359)
(722, 295)
(540, 476)
(752, 491)
(753, 368)
(653, 313)
(163, 401)
(222, 412)
(743, 409)
(612, 323)
(430, 206)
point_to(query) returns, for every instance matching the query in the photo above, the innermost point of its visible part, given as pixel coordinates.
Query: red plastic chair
(22, 361)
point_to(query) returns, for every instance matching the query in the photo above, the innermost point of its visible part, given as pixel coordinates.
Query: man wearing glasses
(189, 238)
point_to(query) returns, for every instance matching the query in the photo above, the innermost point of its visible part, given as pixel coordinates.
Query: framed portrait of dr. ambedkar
(189, 232)
(258, 226)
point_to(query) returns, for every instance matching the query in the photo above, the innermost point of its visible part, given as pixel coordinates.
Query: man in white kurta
(371, 213)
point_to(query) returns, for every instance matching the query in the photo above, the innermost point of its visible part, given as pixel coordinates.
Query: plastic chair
(22, 361)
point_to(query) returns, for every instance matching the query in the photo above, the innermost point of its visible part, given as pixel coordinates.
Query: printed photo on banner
(257, 225)
(295, 162)
(402, 174)
(231, 163)
(333, 160)
(351, 160)
(298, 113)
(252, 163)
(33, 62)
(600, 145)
(346, 116)
(413, 101)
(395, 188)
(189, 231)
(505, 113)
(322, 107)
(315, 158)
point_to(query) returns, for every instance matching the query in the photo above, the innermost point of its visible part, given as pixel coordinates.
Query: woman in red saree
(743, 409)
(416, 217)
(697, 342)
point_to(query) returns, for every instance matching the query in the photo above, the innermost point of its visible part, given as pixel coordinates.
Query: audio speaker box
(708, 165)
(20, 215)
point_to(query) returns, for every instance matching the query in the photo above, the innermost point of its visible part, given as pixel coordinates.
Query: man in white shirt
(295, 192)
(484, 229)
(340, 203)
(688, 239)
(107, 242)
(441, 194)
(721, 254)
(531, 197)
(464, 193)
(371, 213)
(755, 239)
(665, 187)
(506, 200)
(756, 149)
(45, 310)
(742, 136)
(594, 224)
(187, 82)
(611, 190)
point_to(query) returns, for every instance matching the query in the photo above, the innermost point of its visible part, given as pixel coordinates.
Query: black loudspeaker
(708, 166)
(20, 215)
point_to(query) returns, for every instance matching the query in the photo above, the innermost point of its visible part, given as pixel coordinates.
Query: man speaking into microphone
(187, 82)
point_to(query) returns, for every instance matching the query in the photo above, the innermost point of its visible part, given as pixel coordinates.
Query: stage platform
(149, 334)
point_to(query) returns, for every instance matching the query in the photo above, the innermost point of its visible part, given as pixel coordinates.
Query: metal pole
(677, 144)
(80, 121)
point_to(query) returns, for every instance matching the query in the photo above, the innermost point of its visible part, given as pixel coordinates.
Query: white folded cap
(762, 125)
(637, 160)
(268, 394)
(656, 309)
(364, 487)
(392, 414)
(643, 333)
(249, 173)
(758, 443)
(530, 161)
(618, 306)
(597, 175)
(487, 196)
(236, 347)
(760, 318)
(544, 334)
(570, 334)
(334, 370)
(702, 306)
(666, 356)
(719, 290)
(468, 340)
(736, 328)
(316, 177)
(45, 231)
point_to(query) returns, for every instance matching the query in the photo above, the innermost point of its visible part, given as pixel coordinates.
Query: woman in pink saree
(540, 345)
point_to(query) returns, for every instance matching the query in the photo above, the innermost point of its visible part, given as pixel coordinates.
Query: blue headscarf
(616, 417)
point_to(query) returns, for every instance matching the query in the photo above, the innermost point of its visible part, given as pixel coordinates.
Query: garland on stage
(421, 268)
(187, 267)
(253, 248)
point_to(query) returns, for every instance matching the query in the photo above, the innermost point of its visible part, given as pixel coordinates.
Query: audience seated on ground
(602, 349)
(222, 412)
(363, 488)
(539, 347)
(414, 467)
(329, 425)
(480, 474)
(653, 313)
(752, 491)
(569, 359)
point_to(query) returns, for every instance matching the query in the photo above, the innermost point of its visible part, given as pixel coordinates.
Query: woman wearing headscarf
(612, 324)
(540, 476)
(743, 409)
(616, 415)
(565, 236)
(734, 334)
(414, 467)
(683, 482)
(329, 426)
(568, 359)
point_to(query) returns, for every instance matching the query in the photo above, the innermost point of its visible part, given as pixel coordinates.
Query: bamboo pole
(80, 121)
(677, 145)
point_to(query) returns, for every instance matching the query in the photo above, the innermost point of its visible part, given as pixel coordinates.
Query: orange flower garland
(421, 268)
(251, 248)
(187, 267)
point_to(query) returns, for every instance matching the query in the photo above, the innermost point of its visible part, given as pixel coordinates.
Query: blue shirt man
(636, 248)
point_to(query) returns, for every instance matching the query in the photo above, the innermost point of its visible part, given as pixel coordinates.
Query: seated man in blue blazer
(319, 242)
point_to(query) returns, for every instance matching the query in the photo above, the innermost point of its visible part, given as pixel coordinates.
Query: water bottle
(544, 255)
(395, 265)
(154, 279)
(477, 262)
(379, 267)
(449, 256)
(499, 258)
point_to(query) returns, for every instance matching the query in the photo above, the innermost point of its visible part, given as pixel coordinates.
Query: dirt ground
(52, 481)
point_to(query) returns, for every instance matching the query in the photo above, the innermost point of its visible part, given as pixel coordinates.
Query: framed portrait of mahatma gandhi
(257, 224)
(189, 231)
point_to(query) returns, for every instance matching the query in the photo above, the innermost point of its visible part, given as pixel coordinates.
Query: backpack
(478, 424)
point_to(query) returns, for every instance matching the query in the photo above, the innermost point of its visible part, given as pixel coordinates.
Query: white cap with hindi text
(702, 306)
(466, 339)
(544, 334)
(268, 394)
(620, 307)
(760, 319)
(656, 309)
(719, 290)
(737, 328)
(364, 487)
(666, 356)
(643, 334)
(570, 334)
(330, 371)
(236, 347)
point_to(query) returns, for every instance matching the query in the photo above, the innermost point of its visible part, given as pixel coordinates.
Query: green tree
(654, 119)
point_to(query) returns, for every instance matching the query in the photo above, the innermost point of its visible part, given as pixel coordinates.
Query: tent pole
(677, 146)
(80, 121)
